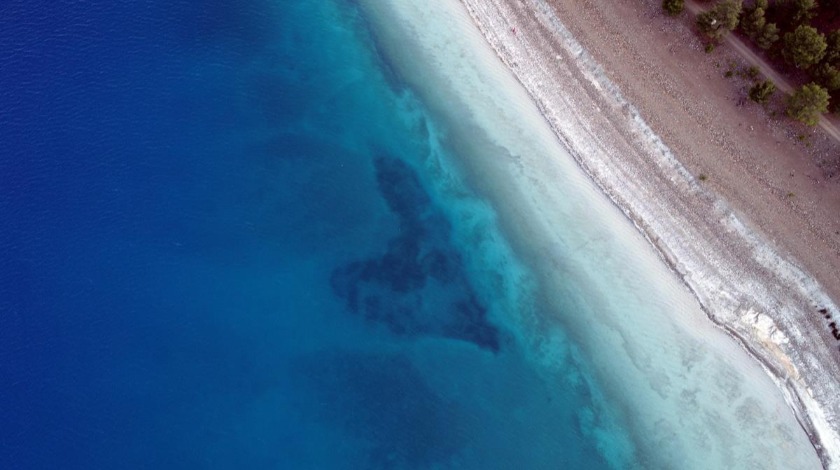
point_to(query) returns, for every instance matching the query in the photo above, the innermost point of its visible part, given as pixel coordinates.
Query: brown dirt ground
(781, 177)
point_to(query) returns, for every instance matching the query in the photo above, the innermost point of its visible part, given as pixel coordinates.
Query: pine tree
(804, 46)
(828, 76)
(721, 19)
(753, 22)
(808, 103)
(832, 52)
(803, 10)
(769, 35)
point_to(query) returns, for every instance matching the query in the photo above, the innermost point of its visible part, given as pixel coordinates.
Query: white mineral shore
(763, 299)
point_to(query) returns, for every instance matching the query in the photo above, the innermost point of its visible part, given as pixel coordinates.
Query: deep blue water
(220, 250)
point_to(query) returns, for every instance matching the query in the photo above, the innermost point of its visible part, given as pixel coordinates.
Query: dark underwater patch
(402, 191)
(418, 285)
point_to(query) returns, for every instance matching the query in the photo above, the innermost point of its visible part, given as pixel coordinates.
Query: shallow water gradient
(224, 247)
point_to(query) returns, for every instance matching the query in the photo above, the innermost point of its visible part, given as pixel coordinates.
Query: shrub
(762, 91)
(808, 103)
(673, 7)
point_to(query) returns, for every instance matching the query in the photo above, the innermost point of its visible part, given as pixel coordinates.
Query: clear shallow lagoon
(236, 237)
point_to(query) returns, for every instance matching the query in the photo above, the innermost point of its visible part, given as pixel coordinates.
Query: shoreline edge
(742, 283)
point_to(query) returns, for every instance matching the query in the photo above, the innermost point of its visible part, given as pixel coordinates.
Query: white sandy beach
(743, 284)
(691, 395)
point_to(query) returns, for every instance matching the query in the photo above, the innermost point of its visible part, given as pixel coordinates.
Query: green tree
(753, 21)
(804, 46)
(673, 7)
(807, 104)
(803, 10)
(762, 91)
(832, 52)
(768, 36)
(708, 25)
(828, 76)
(721, 19)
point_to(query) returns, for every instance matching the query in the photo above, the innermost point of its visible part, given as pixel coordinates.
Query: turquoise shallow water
(235, 239)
